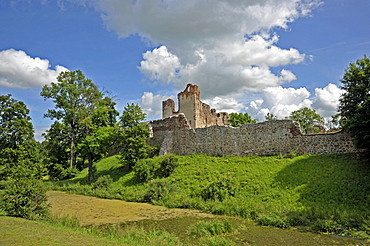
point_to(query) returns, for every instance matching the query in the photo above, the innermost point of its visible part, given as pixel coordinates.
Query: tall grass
(328, 193)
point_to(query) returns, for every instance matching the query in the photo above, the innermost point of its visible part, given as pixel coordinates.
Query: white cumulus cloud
(152, 104)
(280, 102)
(19, 70)
(327, 100)
(223, 46)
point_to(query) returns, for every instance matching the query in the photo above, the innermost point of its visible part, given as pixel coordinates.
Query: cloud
(223, 46)
(19, 70)
(229, 105)
(327, 100)
(152, 105)
(160, 64)
(279, 101)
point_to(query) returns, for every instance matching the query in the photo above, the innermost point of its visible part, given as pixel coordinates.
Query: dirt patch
(92, 210)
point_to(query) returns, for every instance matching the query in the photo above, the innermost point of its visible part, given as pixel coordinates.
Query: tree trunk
(90, 165)
(72, 153)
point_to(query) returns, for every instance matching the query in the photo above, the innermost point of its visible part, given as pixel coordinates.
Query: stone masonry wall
(266, 138)
(160, 128)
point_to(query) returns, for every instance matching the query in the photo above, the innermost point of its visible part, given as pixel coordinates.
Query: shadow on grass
(329, 186)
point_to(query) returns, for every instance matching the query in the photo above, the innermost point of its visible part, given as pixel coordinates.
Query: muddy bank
(92, 210)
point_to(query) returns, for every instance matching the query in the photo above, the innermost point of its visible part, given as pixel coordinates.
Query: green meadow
(322, 193)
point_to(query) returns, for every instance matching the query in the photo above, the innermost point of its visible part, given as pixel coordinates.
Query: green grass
(67, 231)
(328, 193)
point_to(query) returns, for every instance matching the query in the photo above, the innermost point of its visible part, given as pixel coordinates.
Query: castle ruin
(196, 128)
(197, 113)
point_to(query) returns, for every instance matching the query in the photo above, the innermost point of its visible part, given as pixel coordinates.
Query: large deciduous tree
(354, 106)
(82, 108)
(306, 118)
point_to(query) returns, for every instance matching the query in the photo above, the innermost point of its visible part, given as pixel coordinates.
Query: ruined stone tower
(197, 113)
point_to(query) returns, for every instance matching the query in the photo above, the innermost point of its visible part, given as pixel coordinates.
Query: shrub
(25, 198)
(273, 221)
(329, 226)
(219, 189)
(70, 172)
(211, 228)
(157, 190)
(102, 182)
(216, 241)
(167, 163)
(145, 169)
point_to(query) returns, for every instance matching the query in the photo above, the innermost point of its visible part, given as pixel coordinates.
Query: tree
(77, 103)
(236, 119)
(56, 149)
(306, 118)
(269, 117)
(99, 131)
(20, 165)
(134, 133)
(354, 104)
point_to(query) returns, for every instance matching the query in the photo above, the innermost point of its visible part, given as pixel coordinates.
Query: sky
(254, 56)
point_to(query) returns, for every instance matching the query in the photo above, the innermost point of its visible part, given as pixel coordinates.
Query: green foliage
(306, 118)
(162, 167)
(282, 192)
(102, 182)
(134, 133)
(81, 109)
(328, 226)
(167, 165)
(24, 198)
(145, 169)
(274, 221)
(216, 241)
(20, 165)
(211, 228)
(354, 106)
(269, 117)
(219, 189)
(236, 119)
(15, 123)
(158, 189)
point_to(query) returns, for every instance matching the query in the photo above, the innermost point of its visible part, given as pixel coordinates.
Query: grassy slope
(36, 233)
(330, 193)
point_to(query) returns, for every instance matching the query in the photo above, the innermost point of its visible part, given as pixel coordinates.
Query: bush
(211, 228)
(167, 163)
(158, 189)
(102, 182)
(216, 241)
(145, 169)
(25, 198)
(219, 189)
(273, 221)
(329, 226)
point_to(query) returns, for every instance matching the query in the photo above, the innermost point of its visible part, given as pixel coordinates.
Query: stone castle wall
(266, 138)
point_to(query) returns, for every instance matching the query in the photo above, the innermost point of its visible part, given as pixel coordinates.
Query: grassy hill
(327, 193)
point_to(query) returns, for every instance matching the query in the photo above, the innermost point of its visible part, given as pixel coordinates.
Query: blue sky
(245, 55)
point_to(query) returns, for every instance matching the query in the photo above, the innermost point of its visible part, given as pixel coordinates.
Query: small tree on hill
(134, 133)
